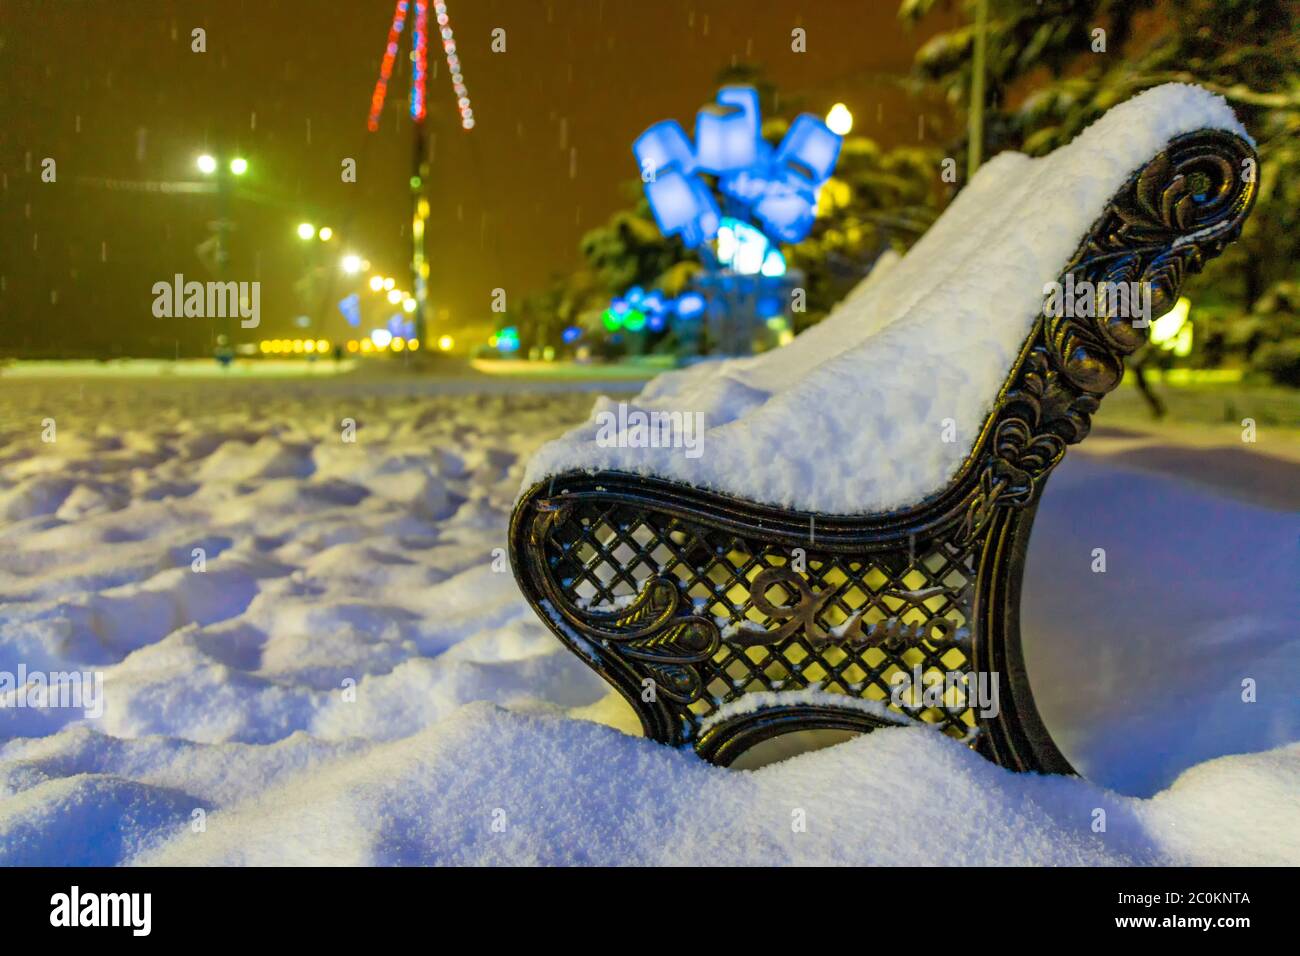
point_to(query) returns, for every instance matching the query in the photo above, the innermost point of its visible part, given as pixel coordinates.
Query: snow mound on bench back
(851, 416)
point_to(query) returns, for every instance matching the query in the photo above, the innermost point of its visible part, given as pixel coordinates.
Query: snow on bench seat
(849, 417)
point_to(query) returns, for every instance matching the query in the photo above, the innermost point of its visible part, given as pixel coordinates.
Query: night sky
(112, 92)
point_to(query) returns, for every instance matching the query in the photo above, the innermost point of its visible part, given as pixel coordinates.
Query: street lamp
(326, 233)
(306, 231)
(352, 264)
(209, 165)
(840, 120)
(376, 283)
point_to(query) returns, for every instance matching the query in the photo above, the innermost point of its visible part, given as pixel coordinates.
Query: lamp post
(419, 110)
(225, 172)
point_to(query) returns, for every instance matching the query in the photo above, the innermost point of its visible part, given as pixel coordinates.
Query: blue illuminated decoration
(745, 250)
(726, 132)
(508, 339)
(776, 188)
(682, 205)
(400, 326)
(768, 306)
(571, 335)
(636, 310)
(350, 306)
(690, 305)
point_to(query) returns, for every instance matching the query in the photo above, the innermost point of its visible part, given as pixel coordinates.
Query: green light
(239, 166)
(612, 320)
(634, 321)
(416, 182)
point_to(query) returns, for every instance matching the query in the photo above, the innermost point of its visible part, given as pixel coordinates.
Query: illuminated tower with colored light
(418, 106)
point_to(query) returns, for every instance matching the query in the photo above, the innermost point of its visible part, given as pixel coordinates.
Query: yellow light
(352, 345)
(381, 338)
(207, 164)
(840, 120)
(286, 345)
(322, 345)
(351, 264)
(492, 341)
(239, 166)
(306, 230)
(408, 304)
(264, 346)
(413, 345)
(394, 296)
(422, 208)
(445, 342)
(376, 283)
(1171, 331)
(390, 283)
(309, 345)
(326, 233)
(367, 345)
(398, 343)
(297, 346)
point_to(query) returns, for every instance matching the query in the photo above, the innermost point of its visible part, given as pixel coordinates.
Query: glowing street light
(239, 166)
(394, 296)
(408, 304)
(376, 283)
(306, 231)
(840, 120)
(326, 233)
(352, 264)
(207, 164)
(381, 338)
(390, 283)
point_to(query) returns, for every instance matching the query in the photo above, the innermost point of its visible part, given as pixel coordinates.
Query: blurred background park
(230, 141)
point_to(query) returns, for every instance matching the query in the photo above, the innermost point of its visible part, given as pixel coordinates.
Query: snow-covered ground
(354, 677)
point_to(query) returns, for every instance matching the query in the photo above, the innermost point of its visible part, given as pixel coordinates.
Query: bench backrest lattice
(725, 622)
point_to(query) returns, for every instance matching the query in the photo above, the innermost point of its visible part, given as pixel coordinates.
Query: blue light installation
(682, 205)
(777, 188)
(726, 132)
(690, 305)
(747, 251)
(350, 306)
(508, 340)
(664, 145)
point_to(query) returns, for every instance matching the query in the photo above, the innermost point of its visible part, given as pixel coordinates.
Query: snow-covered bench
(838, 542)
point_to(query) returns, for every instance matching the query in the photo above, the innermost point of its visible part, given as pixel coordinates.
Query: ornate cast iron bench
(725, 622)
